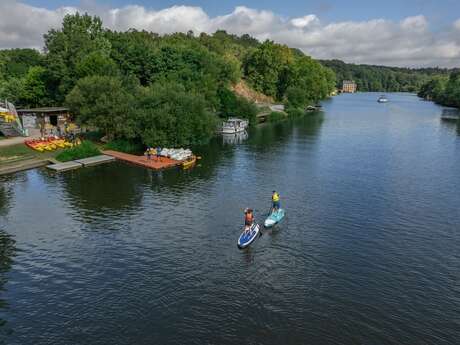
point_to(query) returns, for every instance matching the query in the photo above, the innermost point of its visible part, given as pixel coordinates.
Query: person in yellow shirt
(275, 201)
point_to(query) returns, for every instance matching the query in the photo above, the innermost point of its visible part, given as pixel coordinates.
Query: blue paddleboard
(274, 218)
(247, 237)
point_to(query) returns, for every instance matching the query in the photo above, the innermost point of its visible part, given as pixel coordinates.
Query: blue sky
(439, 12)
(412, 33)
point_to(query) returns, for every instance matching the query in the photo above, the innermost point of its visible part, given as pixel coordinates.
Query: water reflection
(7, 253)
(6, 192)
(109, 188)
(267, 136)
(235, 138)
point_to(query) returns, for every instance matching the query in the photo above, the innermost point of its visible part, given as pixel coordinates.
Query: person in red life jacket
(248, 218)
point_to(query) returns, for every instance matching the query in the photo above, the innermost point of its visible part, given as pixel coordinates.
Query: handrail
(17, 125)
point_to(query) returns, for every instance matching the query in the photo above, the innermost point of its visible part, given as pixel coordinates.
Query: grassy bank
(21, 151)
(84, 150)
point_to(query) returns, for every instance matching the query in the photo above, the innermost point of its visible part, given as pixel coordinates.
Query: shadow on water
(7, 253)
(7, 246)
(109, 188)
(269, 135)
(119, 188)
(6, 192)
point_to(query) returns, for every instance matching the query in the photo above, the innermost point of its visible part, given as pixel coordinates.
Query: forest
(383, 78)
(444, 90)
(157, 90)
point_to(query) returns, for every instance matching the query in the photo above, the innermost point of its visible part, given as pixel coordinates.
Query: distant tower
(349, 86)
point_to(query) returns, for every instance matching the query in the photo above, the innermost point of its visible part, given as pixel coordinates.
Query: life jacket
(276, 197)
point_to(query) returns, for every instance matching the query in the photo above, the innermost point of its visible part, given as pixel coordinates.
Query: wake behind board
(247, 237)
(274, 218)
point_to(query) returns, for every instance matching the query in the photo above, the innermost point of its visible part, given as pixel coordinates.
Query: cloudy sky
(393, 32)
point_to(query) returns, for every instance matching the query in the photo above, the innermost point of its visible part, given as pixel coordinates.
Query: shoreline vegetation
(444, 90)
(140, 88)
(371, 78)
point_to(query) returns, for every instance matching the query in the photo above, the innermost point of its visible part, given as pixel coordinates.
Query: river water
(368, 253)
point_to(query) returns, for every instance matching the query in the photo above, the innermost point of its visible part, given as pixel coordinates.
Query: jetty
(79, 163)
(450, 115)
(66, 166)
(88, 162)
(153, 163)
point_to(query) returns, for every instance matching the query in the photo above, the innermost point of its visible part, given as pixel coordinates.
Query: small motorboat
(234, 125)
(274, 218)
(382, 99)
(248, 236)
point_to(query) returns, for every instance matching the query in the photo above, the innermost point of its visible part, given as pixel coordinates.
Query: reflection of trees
(109, 187)
(7, 252)
(7, 243)
(266, 136)
(119, 186)
(6, 192)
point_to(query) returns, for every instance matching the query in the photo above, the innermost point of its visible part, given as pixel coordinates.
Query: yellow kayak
(189, 162)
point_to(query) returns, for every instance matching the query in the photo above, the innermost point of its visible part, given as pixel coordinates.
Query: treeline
(160, 90)
(383, 78)
(444, 90)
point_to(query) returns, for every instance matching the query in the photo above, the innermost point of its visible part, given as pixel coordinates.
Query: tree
(263, 66)
(232, 105)
(15, 63)
(167, 115)
(79, 36)
(96, 63)
(452, 91)
(306, 82)
(103, 102)
(34, 92)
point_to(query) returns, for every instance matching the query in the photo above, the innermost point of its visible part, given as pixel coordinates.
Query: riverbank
(19, 157)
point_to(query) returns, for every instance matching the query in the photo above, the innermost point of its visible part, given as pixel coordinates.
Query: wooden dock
(88, 162)
(153, 163)
(66, 166)
(85, 162)
(450, 115)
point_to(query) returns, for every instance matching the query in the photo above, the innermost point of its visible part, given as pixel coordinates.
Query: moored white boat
(234, 125)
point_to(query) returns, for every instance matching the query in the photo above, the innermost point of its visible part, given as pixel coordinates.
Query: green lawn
(21, 151)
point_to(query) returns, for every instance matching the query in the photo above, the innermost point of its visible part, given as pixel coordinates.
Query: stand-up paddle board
(274, 218)
(249, 236)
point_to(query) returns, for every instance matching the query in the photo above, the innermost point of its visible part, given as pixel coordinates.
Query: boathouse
(38, 118)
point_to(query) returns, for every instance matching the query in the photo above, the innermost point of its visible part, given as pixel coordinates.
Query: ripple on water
(367, 254)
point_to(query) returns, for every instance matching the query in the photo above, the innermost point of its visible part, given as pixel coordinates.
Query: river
(368, 252)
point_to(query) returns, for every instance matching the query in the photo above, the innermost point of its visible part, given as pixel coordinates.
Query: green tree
(232, 105)
(167, 115)
(15, 63)
(34, 92)
(96, 63)
(452, 90)
(103, 102)
(65, 48)
(263, 66)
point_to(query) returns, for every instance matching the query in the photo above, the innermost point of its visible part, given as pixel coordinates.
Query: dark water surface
(369, 252)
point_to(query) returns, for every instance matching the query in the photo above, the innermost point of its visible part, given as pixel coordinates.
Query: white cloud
(305, 21)
(22, 25)
(457, 24)
(409, 42)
